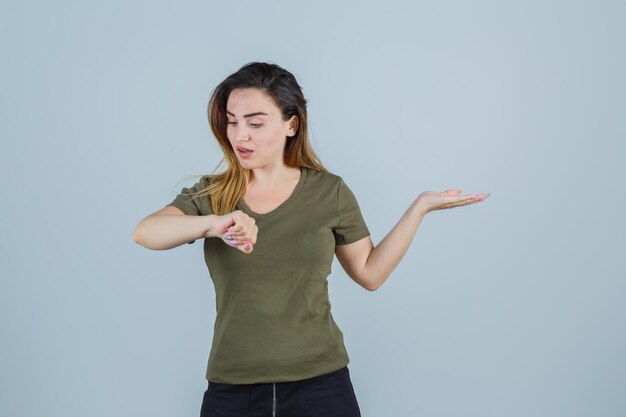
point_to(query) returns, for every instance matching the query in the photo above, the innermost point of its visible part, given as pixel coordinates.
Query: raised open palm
(430, 201)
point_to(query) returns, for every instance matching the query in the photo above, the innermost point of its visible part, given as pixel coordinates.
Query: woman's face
(255, 123)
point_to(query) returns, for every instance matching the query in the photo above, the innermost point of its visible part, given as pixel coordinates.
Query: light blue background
(510, 307)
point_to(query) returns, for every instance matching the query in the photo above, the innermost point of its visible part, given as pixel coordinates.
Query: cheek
(277, 138)
(231, 135)
(265, 141)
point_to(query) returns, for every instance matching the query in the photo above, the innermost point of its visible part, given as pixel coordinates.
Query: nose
(241, 135)
(238, 137)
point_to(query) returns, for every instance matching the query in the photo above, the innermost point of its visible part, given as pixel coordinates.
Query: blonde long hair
(226, 188)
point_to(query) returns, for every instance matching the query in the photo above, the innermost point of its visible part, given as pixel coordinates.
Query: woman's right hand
(238, 230)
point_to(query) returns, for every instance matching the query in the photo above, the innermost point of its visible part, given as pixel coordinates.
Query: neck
(268, 177)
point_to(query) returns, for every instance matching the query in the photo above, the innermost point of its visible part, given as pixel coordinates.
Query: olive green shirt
(274, 320)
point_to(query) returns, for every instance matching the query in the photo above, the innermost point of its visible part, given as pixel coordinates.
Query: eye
(255, 125)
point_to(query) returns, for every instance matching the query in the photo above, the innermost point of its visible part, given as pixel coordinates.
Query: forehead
(246, 100)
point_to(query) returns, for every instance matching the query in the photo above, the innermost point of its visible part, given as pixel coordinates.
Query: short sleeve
(191, 204)
(351, 225)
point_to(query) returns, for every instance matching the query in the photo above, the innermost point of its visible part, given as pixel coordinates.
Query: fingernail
(247, 246)
(229, 237)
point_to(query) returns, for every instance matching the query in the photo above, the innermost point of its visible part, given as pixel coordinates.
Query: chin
(246, 164)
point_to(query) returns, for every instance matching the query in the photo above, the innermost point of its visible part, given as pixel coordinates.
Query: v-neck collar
(294, 194)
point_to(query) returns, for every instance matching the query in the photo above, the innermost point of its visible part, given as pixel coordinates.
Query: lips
(244, 152)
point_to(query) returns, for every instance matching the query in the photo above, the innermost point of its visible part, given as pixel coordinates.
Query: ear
(293, 126)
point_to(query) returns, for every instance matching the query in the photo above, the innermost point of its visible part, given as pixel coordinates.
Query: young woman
(271, 224)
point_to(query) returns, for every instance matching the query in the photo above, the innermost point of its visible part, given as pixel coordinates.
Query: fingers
(241, 223)
(244, 246)
(238, 238)
(236, 229)
(247, 234)
(480, 196)
(242, 235)
(462, 201)
(467, 200)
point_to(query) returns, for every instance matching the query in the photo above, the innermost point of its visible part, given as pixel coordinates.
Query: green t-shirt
(273, 321)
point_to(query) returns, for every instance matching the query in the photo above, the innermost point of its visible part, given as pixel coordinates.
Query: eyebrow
(250, 114)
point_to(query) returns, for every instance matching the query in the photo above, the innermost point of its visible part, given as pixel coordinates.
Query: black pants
(328, 395)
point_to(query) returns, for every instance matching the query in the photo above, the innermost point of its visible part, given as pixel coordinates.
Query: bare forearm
(166, 231)
(385, 256)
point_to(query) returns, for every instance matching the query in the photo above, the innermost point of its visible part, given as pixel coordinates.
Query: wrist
(209, 229)
(418, 208)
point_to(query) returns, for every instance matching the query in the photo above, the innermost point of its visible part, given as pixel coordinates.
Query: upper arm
(169, 209)
(166, 210)
(353, 243)
(353, 258)
(190, 203)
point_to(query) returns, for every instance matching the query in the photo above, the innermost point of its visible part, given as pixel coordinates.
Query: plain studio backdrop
(510, 307)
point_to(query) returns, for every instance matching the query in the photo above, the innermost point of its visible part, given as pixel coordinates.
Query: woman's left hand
(430, 201)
